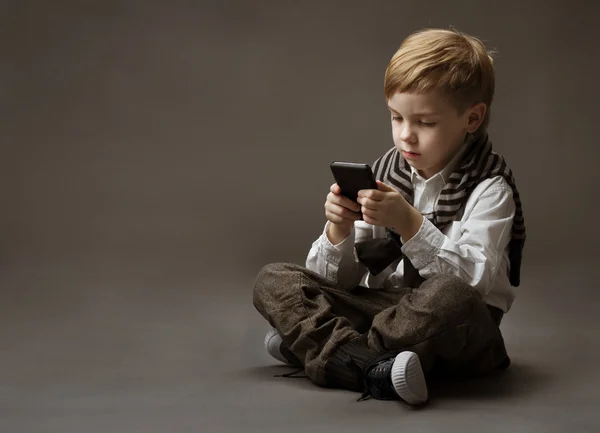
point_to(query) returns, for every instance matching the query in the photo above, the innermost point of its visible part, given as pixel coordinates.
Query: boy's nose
(407, 135)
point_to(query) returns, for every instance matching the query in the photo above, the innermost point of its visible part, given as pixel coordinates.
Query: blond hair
(449, 61)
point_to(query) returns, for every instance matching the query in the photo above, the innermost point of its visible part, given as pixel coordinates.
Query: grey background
(156, 154)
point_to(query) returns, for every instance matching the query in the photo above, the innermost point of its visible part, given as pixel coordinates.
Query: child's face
(428, 130)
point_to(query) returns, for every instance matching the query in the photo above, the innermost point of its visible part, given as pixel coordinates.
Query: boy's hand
(341, 212)
(387, 207)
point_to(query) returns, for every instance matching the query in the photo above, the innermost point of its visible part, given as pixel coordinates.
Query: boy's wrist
(411, 224)
(336, 233)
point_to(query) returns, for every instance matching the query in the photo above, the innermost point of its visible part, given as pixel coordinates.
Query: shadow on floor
(520, 380)
(271, 373)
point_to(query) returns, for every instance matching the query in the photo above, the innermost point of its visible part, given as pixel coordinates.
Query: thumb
(384, 187)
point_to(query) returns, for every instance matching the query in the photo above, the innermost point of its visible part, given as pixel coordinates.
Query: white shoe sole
(408, 378)
(273, 343)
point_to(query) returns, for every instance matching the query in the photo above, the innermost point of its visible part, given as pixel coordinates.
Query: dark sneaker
(394, 378)
(279, 350)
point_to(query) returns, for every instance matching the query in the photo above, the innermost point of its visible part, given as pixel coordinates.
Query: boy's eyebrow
(432, 113)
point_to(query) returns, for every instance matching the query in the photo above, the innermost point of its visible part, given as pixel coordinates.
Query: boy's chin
(414, 164)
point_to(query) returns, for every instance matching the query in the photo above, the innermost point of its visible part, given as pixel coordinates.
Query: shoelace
(292, 375)
(348, 362)
(352, 365)
(379, 380)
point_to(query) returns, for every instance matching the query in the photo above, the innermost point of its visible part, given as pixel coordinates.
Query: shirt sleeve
(339, 263)
(475, 256)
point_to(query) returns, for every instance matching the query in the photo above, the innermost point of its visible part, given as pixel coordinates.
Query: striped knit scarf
(479, 162)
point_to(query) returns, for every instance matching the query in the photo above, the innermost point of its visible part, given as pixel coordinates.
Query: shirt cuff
(423, 247)
(335, 253)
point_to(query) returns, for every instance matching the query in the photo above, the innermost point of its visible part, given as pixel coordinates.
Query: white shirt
(474, 247)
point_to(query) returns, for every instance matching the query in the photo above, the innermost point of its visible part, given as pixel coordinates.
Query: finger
(370, 219)
(384, 187)
(368, 203)
(344, 202)
(374, 215)
(341, 212)
(335, 188)
(340, 220)
(331, 216)
(373, 194)
(350, 204)
(336, 219)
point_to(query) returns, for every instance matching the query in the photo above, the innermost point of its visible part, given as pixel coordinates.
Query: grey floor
(112, 347)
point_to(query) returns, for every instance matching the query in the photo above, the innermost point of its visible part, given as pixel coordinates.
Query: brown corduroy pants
(444, 321)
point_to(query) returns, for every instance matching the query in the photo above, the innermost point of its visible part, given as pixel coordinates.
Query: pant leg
(447, 323)
(312, 316)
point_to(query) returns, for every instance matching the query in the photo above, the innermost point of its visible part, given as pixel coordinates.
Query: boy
(418, 287)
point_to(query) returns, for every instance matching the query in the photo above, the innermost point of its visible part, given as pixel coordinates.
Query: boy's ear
(476, 114)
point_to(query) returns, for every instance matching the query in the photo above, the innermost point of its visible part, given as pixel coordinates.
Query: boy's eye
(427, 123)
(396, 118)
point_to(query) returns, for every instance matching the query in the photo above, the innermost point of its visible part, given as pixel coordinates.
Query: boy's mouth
(410, 155)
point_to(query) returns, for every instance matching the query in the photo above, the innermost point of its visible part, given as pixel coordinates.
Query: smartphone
(352, 177)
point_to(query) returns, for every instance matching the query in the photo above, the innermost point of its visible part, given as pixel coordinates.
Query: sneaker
(399, 377)
(279, 350)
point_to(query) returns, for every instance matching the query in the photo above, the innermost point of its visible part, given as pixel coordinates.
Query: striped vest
(479, 162)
